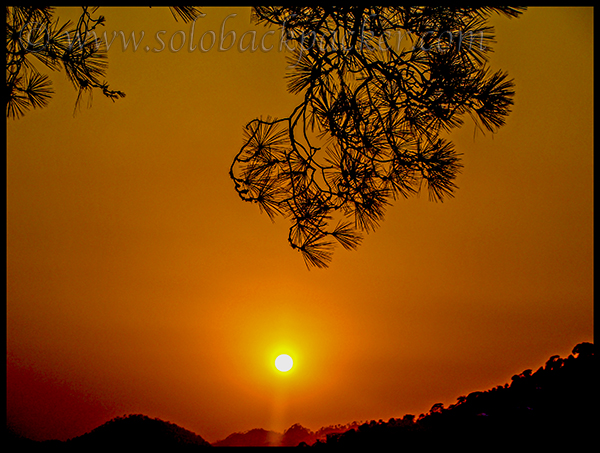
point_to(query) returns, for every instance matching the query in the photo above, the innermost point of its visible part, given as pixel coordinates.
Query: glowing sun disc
(284, 363)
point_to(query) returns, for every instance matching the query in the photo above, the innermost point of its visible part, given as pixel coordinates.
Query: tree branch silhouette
(34, 36)
(367, 130)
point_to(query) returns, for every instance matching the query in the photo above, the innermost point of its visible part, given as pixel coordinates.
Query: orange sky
(138, 281)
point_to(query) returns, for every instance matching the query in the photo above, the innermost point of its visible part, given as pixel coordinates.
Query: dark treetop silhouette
(551, 409)
(368, 127)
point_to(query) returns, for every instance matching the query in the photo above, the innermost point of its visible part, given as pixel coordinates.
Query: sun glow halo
(284, 363)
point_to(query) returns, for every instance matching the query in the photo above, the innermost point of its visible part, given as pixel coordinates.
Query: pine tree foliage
(35, 39)
(379, 86)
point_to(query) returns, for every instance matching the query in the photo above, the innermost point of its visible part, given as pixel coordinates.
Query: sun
(284, 363)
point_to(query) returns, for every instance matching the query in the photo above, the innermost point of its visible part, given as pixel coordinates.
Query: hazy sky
(139, 282)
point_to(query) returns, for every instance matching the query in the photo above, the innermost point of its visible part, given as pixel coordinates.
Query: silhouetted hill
(553, 408)
(121, 434)
(256, 437)
(137, 432)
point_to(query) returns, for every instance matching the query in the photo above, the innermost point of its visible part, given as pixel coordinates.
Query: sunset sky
(139, 282)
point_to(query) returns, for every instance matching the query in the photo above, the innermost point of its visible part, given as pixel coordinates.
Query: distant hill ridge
(256, 437)
(554, 406)
(291, 437)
